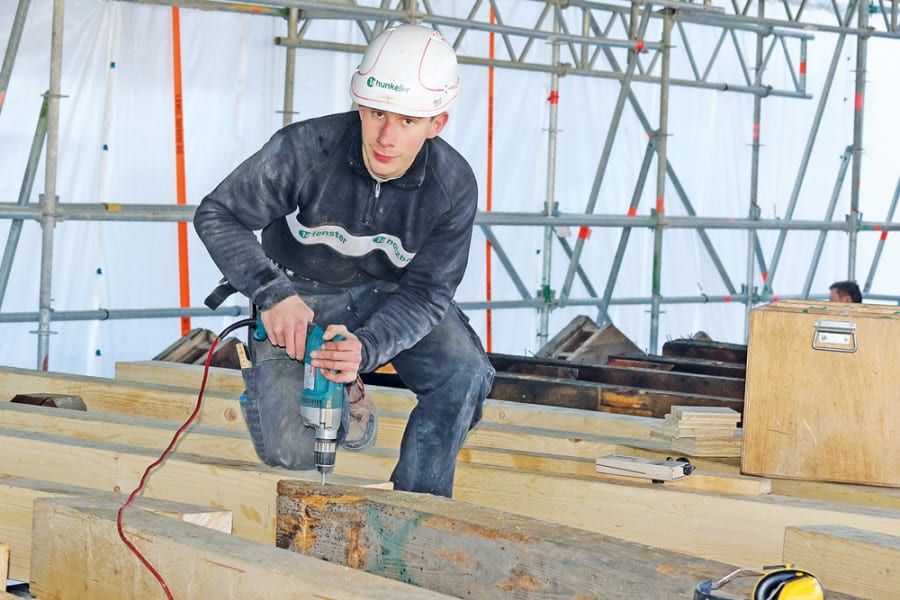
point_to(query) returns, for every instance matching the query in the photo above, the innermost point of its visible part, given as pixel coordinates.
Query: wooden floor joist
(128, 398)
(17, 496)
(740, 530)
(78, 554)
(468, 551)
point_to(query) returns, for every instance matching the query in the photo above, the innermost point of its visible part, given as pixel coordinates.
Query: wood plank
(246, 489)
(650, 379)
(402, 400)
(738, 530)
(681, 364)
(721, 483)
(149, 400)
(722, 351)
(862, 563)
(4, 565)
(179, 375)
(468, 551)
(17, 496)
(589, 395)
(78, 554)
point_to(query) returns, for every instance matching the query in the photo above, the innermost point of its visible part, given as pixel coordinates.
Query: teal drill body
(321, 401)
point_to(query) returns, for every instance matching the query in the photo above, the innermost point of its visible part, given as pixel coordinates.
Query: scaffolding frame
(580, 32)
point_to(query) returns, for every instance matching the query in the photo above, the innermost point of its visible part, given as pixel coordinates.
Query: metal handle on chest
(835, 336)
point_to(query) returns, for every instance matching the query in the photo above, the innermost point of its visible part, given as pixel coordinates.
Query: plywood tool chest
(822, 395)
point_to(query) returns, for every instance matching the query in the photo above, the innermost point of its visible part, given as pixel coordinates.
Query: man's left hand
(338, 359)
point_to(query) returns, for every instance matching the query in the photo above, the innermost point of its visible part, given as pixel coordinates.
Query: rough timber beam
(468, 551)
(78, 554)
(17, 496)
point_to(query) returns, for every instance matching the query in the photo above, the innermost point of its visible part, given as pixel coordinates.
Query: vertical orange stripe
(183, 273)
(490, 186)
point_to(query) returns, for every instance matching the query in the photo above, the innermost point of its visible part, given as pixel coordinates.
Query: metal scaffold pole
(48, 198)
(660, 179)
(546, 292)
(862, 42)
(290, 62)
(12, 47)
(752, 241)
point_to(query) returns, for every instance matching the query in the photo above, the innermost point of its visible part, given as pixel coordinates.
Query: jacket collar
(414, 176)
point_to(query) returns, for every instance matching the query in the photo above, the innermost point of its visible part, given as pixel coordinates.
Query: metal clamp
(835, 336)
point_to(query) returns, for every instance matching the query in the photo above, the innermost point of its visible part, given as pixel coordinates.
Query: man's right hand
(286, 324)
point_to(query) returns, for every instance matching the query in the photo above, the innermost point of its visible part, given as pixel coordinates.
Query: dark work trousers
(448, 370)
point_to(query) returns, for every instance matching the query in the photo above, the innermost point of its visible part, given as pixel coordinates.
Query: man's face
(390, 142)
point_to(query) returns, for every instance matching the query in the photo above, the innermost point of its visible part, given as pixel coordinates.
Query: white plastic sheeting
(117, 146)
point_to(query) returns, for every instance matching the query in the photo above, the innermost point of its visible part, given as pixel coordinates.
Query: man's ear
(437, 124)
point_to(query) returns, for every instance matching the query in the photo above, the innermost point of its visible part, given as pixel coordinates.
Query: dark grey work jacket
(323, 217)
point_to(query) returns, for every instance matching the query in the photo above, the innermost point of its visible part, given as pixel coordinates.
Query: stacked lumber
(701, 431)
(528, 462)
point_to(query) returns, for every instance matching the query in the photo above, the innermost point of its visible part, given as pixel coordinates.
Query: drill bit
(323, 477)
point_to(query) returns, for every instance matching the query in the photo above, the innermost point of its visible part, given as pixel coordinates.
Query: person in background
(366, 220)
(844, 291)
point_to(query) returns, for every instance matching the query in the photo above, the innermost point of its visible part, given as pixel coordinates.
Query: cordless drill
(321, 400)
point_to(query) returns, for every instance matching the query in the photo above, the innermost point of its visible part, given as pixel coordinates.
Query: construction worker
(844, 291)
(366, 220)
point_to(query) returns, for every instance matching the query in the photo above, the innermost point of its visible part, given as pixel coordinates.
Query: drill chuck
(325, 451)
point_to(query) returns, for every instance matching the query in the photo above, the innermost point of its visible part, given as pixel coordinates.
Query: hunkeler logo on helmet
(387, 85)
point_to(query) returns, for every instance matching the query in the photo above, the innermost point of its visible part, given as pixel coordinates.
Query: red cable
(159, 461)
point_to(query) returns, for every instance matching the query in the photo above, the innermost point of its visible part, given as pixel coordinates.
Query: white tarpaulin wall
(117, 146)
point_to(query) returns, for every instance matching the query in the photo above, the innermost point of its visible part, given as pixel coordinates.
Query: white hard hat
(410, 70)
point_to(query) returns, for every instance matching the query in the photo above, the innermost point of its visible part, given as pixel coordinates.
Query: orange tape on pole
(184, 287)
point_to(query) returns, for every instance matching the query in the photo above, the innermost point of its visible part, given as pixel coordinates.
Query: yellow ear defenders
(779, 582)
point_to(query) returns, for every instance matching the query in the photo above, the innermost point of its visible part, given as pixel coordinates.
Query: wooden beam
(245, 489)
(468, 551)
(149, 400)
(739, 530)
(591, 395)
(78, 554)
(682, 364)
(180, 375)
(402, 401)
(17, 496)
(646, 379)
(723, 351)
(4, 565)
(862, 563)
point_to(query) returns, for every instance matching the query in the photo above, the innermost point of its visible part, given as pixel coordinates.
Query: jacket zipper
(371, 208)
